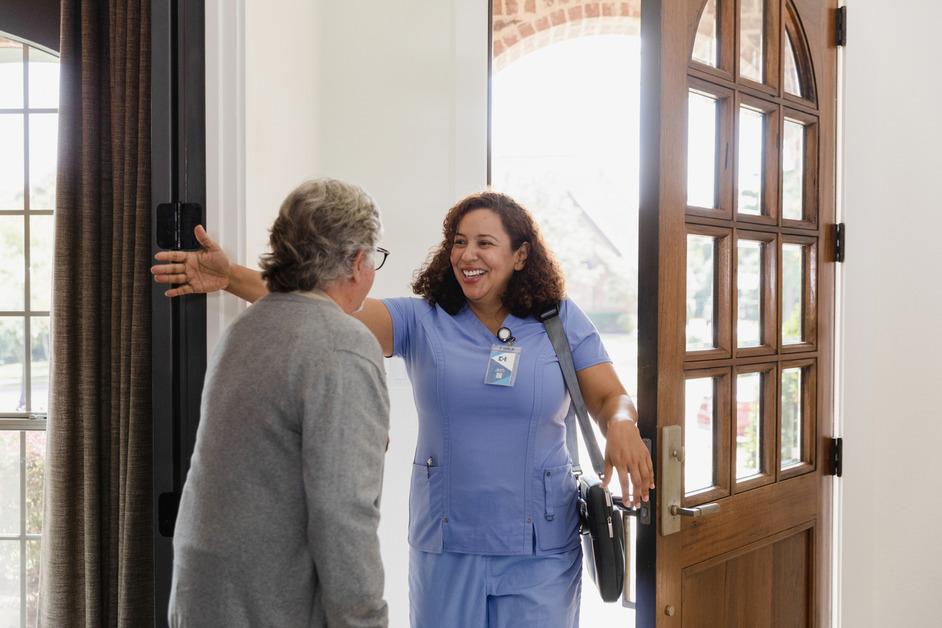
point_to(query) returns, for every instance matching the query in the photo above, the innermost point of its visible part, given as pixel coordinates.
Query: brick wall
(521, 26)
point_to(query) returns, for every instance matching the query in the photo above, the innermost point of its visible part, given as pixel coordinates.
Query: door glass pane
(793, 176)
(792, 82)
(791, 417)
(10, 583)
(581, 179)
(12, 366)
(701, 149)
(43, 80)
(701, 287)
(10, 482)
(749, 293)
(565, 142)
(35, 455)
(751, 127)
(40, 263)
(12, 264)
(12, 164)
(748, 425)
(43, 128)
(792, 271)
(698, 434)
(11, 74)
(706, 44)
(41, 348)
(752, 39)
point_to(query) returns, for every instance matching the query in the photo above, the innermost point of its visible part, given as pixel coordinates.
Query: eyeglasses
(379, 257)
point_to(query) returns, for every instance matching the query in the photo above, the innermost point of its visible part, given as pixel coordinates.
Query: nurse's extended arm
(208, 270)
(376, 317)
(609, 404)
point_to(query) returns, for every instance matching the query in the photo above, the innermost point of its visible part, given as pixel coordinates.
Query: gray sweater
(277, 523)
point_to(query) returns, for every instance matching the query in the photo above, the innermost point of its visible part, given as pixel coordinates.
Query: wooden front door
(737, 268)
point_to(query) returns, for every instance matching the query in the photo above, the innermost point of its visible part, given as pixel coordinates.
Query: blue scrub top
(491, 473)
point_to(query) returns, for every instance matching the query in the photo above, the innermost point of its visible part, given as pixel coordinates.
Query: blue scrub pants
(450, 590)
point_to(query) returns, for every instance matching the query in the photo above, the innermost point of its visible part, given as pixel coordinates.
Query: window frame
(29, 419)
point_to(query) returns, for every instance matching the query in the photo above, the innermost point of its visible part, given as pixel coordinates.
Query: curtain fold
(97, 557)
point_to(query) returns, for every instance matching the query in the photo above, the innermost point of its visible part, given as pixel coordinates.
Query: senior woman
(493, 525)
(273, 529)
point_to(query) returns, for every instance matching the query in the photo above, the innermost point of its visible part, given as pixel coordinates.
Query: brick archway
(522, 26)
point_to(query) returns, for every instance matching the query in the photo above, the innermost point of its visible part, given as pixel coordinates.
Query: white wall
(892, 553)
(388, 95)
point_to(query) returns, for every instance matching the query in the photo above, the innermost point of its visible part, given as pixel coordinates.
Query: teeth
(473, 273)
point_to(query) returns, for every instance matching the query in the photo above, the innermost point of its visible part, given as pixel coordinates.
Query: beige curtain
(97, 554)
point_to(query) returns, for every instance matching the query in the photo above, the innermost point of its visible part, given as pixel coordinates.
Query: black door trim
(178, 332)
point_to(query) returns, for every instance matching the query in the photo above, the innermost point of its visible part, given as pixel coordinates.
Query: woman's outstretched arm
(206, 270)
(376, 317)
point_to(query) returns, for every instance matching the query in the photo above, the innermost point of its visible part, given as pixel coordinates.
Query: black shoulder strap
(557, 335)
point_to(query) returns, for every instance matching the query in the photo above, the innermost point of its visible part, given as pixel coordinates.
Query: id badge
(502, 365)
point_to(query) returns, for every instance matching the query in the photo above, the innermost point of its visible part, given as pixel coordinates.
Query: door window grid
(755, 277)
(797, 422)
(709, 325)
(773, 167)
(701, 551)
(750, 190)
(750, 271)
(757, 158)
(749, 428)
(702, 149)
(709, 150)
(792, 81)
(799, 166)
(706, 435)
(754, 438)
(798, 74)
(752, 37)
(29, 79)
(706, 48)
(798, 293)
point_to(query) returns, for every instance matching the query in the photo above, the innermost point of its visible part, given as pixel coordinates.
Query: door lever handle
(700, 511)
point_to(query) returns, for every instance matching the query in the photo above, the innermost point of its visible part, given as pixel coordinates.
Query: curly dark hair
(539, 285)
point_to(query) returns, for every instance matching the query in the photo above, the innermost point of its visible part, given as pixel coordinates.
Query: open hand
(206, 270)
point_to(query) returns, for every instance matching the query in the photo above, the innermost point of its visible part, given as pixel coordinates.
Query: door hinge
(840, 242)
(840, 27)
(836, 457)
(175, 224)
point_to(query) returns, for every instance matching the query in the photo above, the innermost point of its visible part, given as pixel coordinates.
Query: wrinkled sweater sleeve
(344, 432)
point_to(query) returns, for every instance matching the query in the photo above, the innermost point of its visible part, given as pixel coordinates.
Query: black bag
(602, 525)
(603, 532)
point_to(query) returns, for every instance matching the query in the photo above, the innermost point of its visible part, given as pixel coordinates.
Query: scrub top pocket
(425, 508)
(559, 525)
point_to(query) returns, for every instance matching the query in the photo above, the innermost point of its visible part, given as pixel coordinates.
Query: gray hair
(321, 227)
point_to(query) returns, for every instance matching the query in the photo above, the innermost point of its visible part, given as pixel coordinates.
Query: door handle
(700, 511)
(671, 497)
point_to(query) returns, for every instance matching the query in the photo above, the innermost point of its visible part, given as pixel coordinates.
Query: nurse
(493, 526)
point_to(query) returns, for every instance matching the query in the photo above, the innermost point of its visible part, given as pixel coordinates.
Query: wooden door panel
(749, 517)
(765, 585)
(792, 575)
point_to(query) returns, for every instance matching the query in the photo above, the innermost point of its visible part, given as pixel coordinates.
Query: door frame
(178, 334)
